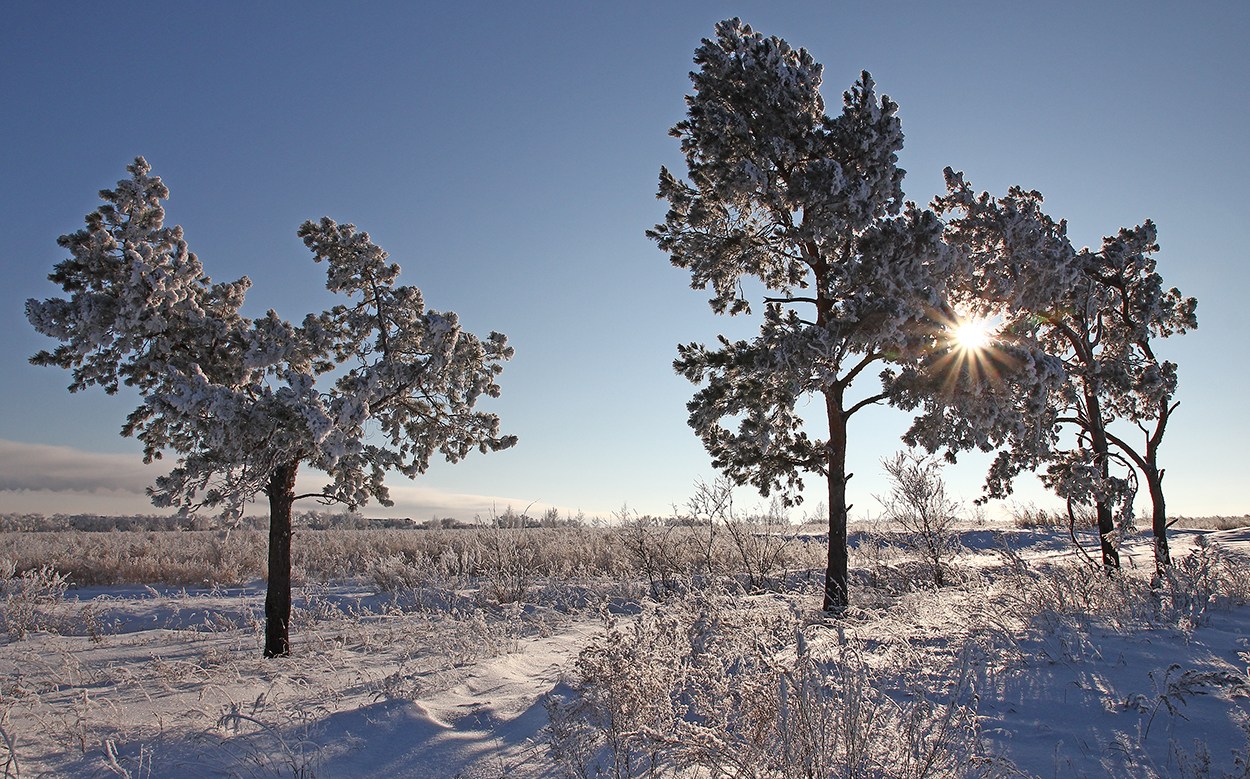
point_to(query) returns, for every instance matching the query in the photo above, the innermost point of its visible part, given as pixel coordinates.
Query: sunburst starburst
(969, 351)
(973, 335)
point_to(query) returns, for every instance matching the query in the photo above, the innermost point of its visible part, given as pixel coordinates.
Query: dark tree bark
(1102, 458)
(1159, 521)
(1106, 536)
(1154, 482)
(836, 581)
(281, 492)
(1148, 465)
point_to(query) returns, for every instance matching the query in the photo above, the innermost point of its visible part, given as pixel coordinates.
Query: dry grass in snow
(638, 651)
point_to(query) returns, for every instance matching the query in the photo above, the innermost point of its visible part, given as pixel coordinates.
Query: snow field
(1032, 665)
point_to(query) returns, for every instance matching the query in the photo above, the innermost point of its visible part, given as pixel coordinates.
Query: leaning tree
(1078, 327)
(1141, 388)
(811, 207)
(374, 384)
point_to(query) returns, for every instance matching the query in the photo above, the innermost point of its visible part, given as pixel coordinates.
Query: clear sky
(506, 154)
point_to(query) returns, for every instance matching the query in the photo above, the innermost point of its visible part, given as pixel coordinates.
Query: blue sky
(506, 155)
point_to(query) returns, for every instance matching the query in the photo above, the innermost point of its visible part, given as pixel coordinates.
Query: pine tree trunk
(836, 585)
(281, 491)
(1154, 482)
(1158, 520)
(1106, 537)
(1106, 518)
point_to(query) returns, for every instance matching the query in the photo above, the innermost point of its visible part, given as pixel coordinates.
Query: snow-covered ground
(1053, 677)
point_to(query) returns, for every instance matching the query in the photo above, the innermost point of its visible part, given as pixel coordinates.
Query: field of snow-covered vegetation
(638, 649)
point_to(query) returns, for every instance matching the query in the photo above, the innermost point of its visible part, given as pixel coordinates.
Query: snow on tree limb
(780, 193)
(234, 397)
(1079, 327)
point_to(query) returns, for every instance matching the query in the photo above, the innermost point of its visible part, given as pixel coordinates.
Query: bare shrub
(759, 549)
(1059, 592)
(29, 600)
(397, 572)
(656, 550)
(265, 749)
(234, 557)
(8, 759)
(1200, 580)
(509, 564)
(918, 502)
(763, 553)
(1211, 523)
(1203, 579)
(202, 558)
(707, 544)
(708, 505)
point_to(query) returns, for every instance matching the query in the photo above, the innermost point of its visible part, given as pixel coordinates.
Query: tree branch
(1124, 447)
(813, 301)
(865, 402)
(319, 495)
(869, 359)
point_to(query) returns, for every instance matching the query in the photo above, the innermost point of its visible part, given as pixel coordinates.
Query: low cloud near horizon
(43, 479)
(44, 468)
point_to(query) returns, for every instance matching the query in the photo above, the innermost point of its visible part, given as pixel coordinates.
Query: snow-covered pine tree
(1076, 335)
(238, 400)
(782, 193)
(1141, 386)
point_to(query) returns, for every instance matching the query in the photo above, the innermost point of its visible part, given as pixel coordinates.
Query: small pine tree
(1076, 347)
(244, 403)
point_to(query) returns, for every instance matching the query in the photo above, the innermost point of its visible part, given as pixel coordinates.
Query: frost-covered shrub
(1181, 597)
(918, 502)
(709, 544)
(1030, 517)
(1211, 523)
(397, 572)
(763, 553)
(509, 564)
(879, 562)
(1199, 580)
(28, 599)
(714, 686)
(199, 558)
(1050, 593)
(196, 558)
(659, 552)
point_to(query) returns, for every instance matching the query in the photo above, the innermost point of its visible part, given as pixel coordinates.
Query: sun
(973, 335)
(971, 352)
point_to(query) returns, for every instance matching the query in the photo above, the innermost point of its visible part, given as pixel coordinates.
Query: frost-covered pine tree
(1025, 271)
(1141, 387)
(375, 384)
(811, 207)
(1077, 329)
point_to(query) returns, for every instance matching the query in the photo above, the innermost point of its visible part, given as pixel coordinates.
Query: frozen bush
(918, 502)
(509, 566)
(657, 551)
(728, 690)
(1030, 517)
(1079, 589)
(1211, 523)
(1195, 583)
(758, 547)
(30, 598)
